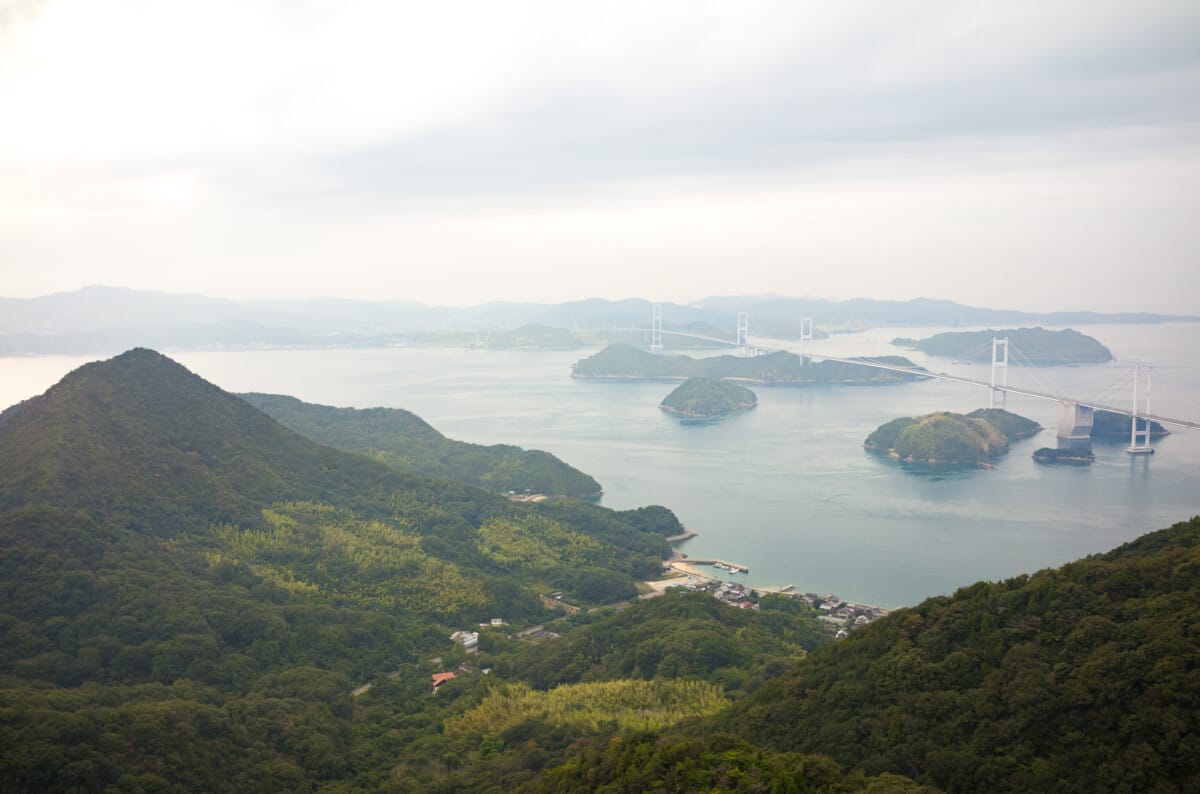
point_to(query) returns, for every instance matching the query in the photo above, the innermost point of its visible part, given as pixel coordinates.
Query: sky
(1025, 155)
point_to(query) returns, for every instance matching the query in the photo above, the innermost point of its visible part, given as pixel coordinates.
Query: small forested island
(708, 398)
(1109, 426)
(1038, 346)
(780, 368)
(948, 439)
(1070, 457)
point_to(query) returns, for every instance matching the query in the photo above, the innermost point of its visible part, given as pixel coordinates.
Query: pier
(733, 566)
(687, 534)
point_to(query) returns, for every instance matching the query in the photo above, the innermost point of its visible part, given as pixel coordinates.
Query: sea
(786, 488)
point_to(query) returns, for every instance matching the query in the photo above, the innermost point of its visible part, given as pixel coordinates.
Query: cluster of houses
(843, 614)
(737, 595)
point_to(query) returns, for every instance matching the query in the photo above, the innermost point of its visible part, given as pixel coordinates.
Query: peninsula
(948, 439)
(708, 398)
(781, 368)
(1039, 346)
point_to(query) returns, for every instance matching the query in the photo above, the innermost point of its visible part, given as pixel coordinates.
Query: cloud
(500, 147)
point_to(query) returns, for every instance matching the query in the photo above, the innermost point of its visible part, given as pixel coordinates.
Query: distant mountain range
(101, 319)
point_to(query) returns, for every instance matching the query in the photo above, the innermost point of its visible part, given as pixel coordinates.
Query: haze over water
(786, 488)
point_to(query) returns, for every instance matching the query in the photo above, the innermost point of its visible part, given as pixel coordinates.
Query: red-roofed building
(441, 678)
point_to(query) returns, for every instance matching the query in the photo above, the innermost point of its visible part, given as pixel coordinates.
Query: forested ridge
(1085, 678)
(407, 442)
(195, 598)
(168, 549)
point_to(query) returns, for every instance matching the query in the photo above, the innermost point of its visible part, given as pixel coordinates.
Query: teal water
(786, 488)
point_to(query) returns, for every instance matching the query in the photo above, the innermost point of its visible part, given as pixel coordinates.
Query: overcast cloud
(1023, 155)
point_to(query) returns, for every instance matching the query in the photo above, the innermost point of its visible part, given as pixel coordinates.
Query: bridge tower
(656, 328)
(806, 335)
(999, 363)
(1144, 447)
(743, 334)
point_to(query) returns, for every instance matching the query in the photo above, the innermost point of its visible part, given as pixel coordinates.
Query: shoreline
(681, 565)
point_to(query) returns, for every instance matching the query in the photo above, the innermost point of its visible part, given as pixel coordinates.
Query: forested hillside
(1085, 678)
(407, 442)
(197, 568)
(196, 598)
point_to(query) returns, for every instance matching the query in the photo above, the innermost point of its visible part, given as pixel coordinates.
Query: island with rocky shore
(708, 398)
(949, 439)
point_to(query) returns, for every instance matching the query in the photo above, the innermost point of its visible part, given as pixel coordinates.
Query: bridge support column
(1075, 423)
(656, 328)
(743, 334)
(806, 335)
(1139, 440)
(999, 363)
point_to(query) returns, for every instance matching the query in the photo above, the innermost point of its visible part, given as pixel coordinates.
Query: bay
(787, 488)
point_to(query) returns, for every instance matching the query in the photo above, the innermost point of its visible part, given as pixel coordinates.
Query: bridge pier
(1075, 422)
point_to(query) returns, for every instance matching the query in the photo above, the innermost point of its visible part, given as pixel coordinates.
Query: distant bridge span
(1039, 395)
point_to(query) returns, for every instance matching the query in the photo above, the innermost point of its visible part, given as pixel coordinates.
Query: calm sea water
(787, 488)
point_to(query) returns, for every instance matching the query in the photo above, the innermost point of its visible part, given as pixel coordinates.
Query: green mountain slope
(190, 590)
(140, 437)
(154, 640)
(406, 442)
(1084, 678)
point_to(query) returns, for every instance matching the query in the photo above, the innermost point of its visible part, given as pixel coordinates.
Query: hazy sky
(1035, 155)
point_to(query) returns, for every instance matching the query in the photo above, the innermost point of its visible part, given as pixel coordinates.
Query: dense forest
(196, 598)
(1013, 426)
(407, 442)
(1083, 678)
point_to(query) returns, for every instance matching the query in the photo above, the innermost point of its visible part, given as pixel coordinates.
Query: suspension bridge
(1075, 414)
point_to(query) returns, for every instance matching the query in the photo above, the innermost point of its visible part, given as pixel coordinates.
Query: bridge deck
(1040, 395)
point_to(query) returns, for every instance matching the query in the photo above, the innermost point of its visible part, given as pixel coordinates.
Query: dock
(687, 534)
(733, 566)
